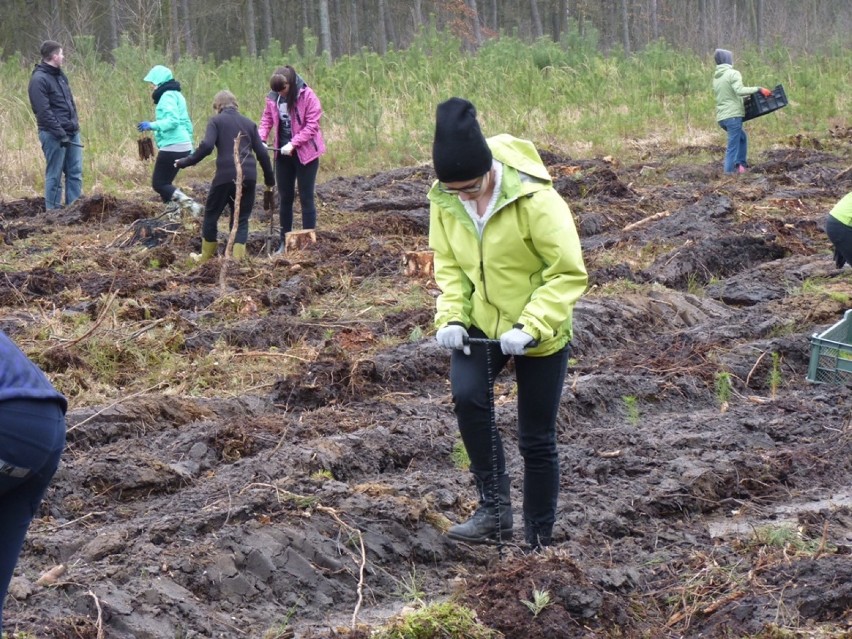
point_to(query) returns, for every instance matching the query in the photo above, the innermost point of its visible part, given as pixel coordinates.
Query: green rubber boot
(208, 250)
(239, 252)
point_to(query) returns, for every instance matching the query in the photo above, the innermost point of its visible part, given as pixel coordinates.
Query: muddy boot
(487, 524)
(208, 250)
(187, 203)
(238, 252)
(172, 212)
(537, 536)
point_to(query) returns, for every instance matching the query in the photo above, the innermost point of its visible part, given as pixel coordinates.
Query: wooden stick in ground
(229, 248)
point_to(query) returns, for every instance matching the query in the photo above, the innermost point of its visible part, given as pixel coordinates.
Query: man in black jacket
(58, 127)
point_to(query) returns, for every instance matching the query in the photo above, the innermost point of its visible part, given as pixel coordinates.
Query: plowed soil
(706, 484)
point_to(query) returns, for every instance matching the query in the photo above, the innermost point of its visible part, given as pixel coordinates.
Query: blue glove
(143, 126)
(515, 342)
(453, 336)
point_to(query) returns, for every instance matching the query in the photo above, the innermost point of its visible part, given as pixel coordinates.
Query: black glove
(180, 164)
(64, 141)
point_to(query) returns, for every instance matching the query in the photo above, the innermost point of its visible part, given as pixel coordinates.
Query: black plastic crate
(757, 105)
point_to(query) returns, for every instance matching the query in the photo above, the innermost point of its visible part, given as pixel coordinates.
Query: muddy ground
(689, 507)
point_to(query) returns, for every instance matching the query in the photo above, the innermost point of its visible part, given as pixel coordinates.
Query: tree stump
(297, 240)
(418, 263)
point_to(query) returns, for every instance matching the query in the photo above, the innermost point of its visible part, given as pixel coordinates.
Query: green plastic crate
(831, 354)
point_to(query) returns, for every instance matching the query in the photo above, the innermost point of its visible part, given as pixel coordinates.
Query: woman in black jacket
(223, 130)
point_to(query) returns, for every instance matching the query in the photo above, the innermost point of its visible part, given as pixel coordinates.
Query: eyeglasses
(476, 187)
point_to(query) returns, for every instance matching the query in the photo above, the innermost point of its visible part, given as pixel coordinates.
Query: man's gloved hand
(65, 141)
(180, 163)
(143, 126)
(765, 92)
(515, 342)
(453, 336)
(287, 149)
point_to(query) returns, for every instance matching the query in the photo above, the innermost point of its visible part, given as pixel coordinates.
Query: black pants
(32, 436)
(165, 173)
(540, 381)
(288, 170)
(841, 236)
(218, 198)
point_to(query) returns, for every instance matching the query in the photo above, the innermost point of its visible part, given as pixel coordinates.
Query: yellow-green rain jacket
(527, 268)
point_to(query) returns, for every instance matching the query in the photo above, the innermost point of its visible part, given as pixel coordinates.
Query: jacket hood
(723, 56)
(158, 74)
(300, 85)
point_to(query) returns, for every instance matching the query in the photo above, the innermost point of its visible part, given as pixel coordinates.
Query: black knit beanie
(459, 152)
(723, 56)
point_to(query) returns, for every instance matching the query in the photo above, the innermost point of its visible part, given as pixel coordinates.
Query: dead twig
(100, 621)
(116, 403)
(363, 563)
(268, 354)
(94, 327)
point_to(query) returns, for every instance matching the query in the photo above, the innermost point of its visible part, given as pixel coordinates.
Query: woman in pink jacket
(293, 114)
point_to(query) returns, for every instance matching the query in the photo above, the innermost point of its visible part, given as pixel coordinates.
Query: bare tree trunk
(325, 28)
(251, 36)
(418, 14)
(655, 25)
(266, 23)
(113, 25)
(187, 29)
(474, 16)
(703, 19)
(174, 32)
(495, 25)
(758, 20)
(625, 21)
(353, 28)
(382, 28)
(537, 29)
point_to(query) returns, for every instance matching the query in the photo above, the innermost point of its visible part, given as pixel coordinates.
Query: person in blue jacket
(32, 437)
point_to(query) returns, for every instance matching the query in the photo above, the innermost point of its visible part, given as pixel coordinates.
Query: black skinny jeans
(288, 170)
(218, 198)
(165, 173)
(540, 381)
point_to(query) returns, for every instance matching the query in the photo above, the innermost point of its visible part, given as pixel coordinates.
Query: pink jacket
(304, 120)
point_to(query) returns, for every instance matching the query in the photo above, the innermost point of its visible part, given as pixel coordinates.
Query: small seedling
(723, 387)
(632, 405)
(540, 601)
(322, 475)
(411, 588)
(459, 456)
(775, 375)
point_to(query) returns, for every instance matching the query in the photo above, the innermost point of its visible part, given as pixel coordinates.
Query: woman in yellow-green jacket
(838, 226)
(510, 268)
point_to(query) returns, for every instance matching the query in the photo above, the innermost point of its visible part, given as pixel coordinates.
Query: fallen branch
(269, 354)
(94, 327)
(646, 220)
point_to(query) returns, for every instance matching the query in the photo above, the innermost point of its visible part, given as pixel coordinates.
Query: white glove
(453, 336)
(287, 149)
(515, 342)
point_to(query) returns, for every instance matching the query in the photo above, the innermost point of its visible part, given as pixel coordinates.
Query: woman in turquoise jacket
(730, 111)
(510, 268)
(173, 134)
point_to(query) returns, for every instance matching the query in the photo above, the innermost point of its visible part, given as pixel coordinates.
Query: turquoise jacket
(171, 124)
(528, 266)
(729, 91)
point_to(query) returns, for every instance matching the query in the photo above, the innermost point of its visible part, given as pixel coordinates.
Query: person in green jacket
(173, 134)
(838, 227)
(510, 268)
(729, 91)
